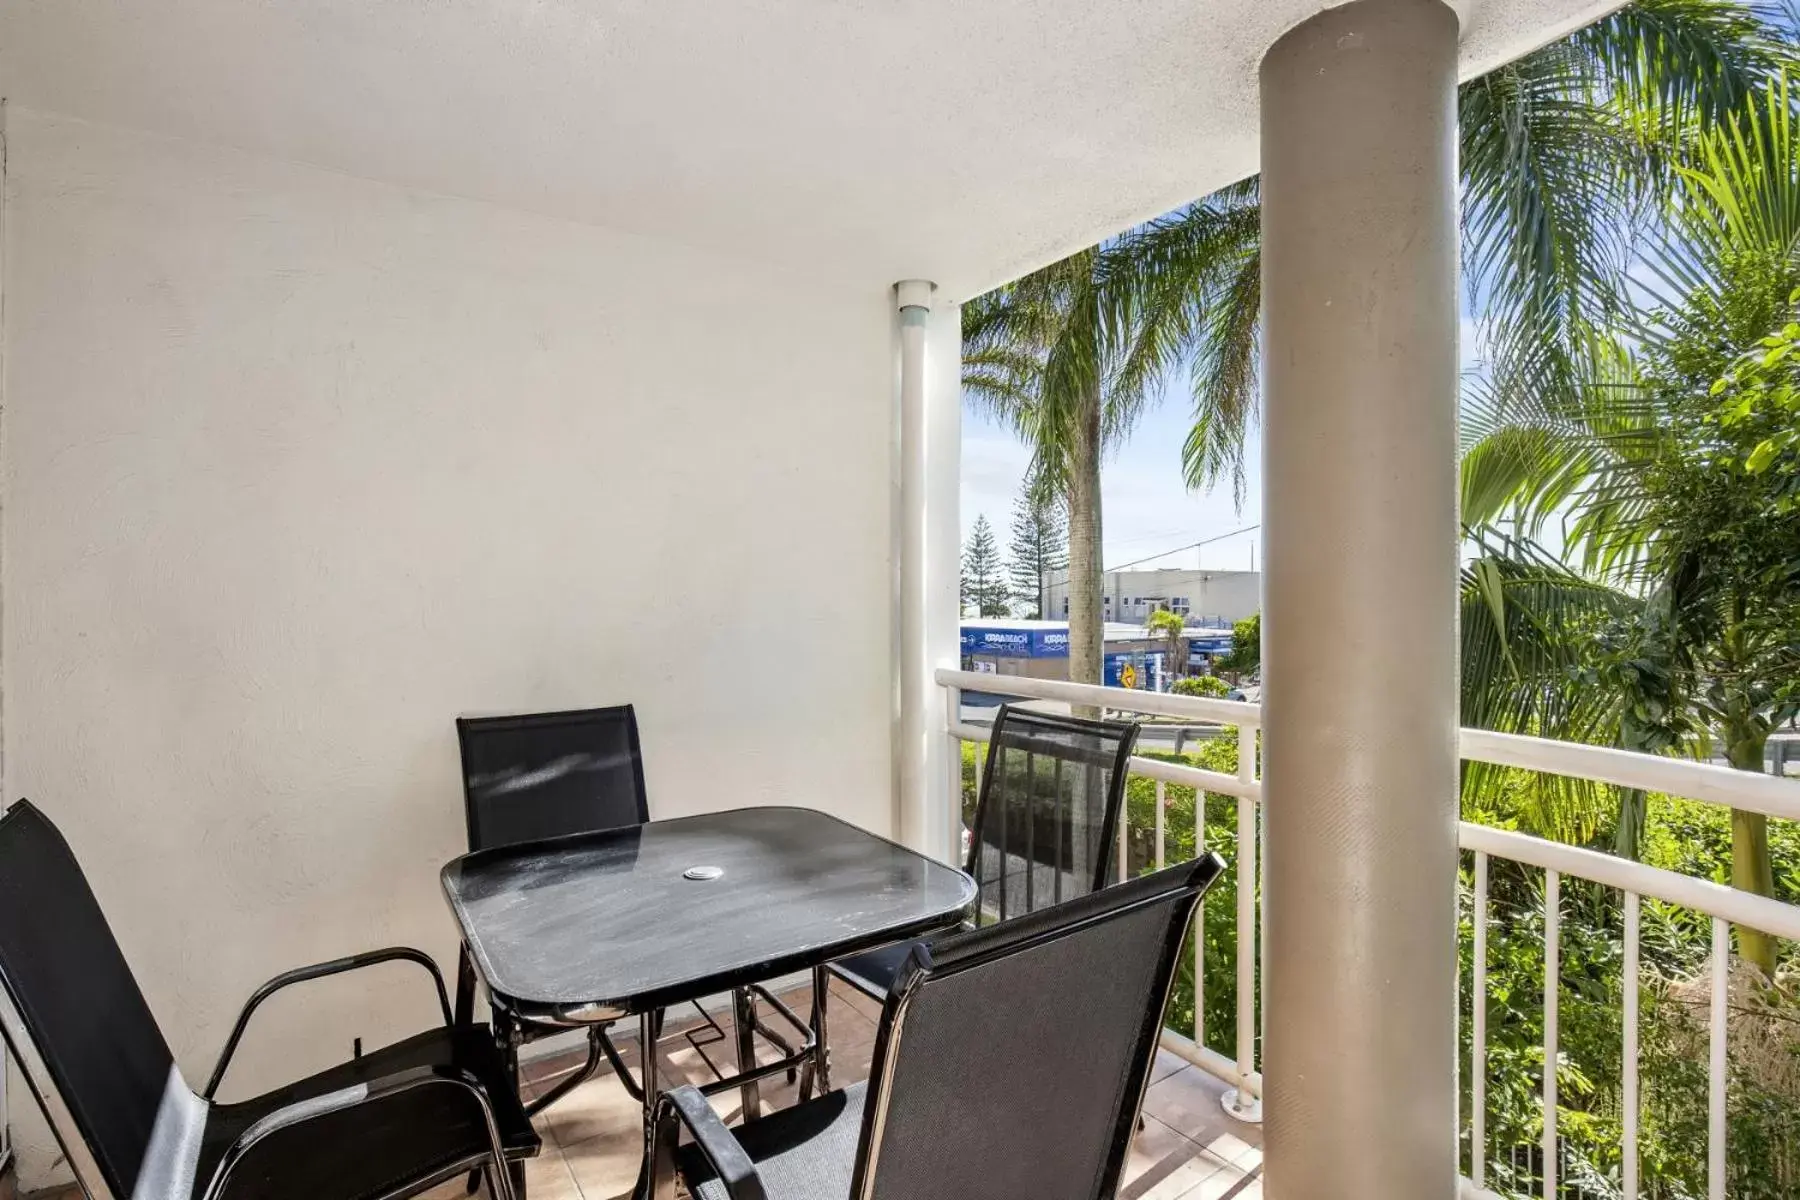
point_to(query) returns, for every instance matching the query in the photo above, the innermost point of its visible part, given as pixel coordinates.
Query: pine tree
(1040, 545)
(983, 577)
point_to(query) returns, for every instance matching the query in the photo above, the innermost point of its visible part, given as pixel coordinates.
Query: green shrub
(1202, 685)
(1246, 646)
(1763, 1113)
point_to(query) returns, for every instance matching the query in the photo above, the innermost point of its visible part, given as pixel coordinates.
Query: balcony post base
(1239, 1107)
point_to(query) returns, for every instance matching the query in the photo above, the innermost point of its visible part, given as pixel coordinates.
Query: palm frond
(1528, 654)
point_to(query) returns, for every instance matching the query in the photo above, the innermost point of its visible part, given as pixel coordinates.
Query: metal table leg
(744, 1016)
(648, 1025)
(507, 1035)
(820, 1067)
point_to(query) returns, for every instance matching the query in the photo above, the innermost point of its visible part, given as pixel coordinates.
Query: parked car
(1249, 691)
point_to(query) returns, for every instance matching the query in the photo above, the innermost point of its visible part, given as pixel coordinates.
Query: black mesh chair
(388, 1124)
(1046, 823)
(543, 775)
(1011, 1061)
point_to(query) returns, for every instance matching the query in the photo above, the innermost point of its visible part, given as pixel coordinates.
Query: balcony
(366, 365)
(1529, 1168)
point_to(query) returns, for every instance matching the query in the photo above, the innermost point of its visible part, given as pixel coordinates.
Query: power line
(1177, 550)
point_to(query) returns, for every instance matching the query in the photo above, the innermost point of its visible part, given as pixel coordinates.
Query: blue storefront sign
(1209, 643)
(1015, 643)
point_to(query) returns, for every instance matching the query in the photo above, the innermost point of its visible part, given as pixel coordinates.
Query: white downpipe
(917, 824)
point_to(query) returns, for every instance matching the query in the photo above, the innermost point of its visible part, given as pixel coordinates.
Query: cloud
(993, 469)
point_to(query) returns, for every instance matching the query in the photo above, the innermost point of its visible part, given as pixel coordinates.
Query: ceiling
(965, 141)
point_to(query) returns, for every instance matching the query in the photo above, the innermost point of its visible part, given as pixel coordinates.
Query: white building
(1203, 597)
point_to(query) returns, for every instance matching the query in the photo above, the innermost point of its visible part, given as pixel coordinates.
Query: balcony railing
(1637, 882)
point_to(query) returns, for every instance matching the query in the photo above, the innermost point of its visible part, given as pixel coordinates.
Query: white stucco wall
(298, 466)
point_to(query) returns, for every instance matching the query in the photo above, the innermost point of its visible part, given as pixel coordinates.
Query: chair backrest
(1012, 1059)
(543, 775)
(77, 1023)
(1048, 814)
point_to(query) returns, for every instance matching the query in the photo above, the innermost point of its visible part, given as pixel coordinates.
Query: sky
(1145, 507)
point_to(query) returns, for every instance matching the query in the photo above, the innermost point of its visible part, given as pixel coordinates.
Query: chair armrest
(302, 1111)
(716, 1143)
(336, 966)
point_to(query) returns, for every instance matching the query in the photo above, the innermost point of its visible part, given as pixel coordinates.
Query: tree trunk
(1085, 579)
(1751, 870)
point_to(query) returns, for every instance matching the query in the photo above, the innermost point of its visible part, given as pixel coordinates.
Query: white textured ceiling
(964, 141)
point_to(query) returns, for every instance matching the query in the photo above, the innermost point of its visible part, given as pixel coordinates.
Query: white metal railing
(1725, 906)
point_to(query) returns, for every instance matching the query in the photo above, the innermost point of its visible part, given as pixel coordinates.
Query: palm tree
(1638, 450)
(1040, 354)
(1174, 634)
(1562, 153)
(1550, 652)
(1557, 151)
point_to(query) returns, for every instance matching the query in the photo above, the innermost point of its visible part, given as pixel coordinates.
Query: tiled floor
(1188, 1149)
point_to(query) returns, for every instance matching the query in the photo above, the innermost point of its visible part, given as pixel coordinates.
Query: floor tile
(598, 1106)
(1228, 1183)
(844, 996)
(547, 1177)
(1163, 1165)
(606, 1167)
(1166, 1064)
(1188, 1102)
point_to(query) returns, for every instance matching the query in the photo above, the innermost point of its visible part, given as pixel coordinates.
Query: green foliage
(983, 584)
(1246, 646)
(1201, 685)
(1763, 1112)
(1758, 401)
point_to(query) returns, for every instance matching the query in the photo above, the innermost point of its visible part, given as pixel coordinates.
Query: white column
(930, 536)
(1360, 527)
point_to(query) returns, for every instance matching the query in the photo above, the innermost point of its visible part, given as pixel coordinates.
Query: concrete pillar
(1360, 532)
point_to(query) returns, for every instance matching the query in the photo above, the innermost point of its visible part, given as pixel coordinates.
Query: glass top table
(595, 927)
